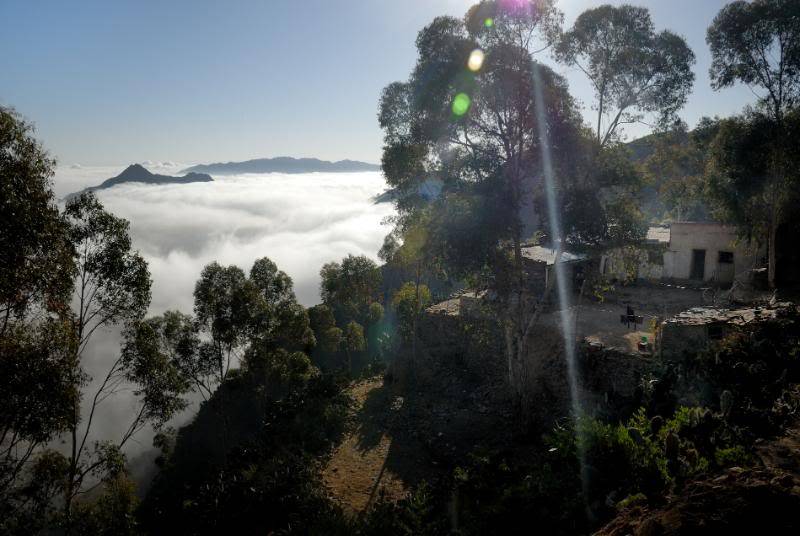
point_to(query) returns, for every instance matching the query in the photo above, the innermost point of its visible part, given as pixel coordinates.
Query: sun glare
(475, 61)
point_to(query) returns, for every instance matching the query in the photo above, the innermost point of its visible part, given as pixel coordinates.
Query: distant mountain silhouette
(283, 164)
(138, 173)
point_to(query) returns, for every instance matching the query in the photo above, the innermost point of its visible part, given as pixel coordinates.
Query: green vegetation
(487, 152)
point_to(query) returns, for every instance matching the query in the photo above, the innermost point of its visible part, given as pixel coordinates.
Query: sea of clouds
(300, 221)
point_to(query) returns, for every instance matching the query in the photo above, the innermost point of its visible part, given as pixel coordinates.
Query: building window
(726, 257)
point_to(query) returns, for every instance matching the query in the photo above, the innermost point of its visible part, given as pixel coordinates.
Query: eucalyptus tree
(112, 287)
(234, 311)
(173, 340)
(758, 44)
(36, 257)
(633, 70)
(636, 74)
(474, 128)
(278, 320)
(533, 25)
(37, 346)
(409, 301)
(62, 277)
(467, 120)
(323, 323)
(224, 303)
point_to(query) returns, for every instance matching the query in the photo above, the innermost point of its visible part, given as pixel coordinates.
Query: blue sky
(113, 82)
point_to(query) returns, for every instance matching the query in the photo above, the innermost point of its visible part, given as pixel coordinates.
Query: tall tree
(354, 341)
(634, 71)
(323, 323)
(112, 287)
(36, 261)
(529, 24)
(467, 120)
(224, 305)
(752, 175)
(235, 312)
(409, 301)
(37, 346)
(46, 256)
(758, 44)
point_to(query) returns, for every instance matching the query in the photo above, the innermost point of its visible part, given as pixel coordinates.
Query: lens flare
(475, 61)
(461, 104)
(489, 22)
(563, 285)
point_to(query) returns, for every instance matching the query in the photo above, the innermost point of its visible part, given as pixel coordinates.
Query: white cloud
(298, 221)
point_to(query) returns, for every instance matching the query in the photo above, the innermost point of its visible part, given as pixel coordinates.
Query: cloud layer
(299, 221)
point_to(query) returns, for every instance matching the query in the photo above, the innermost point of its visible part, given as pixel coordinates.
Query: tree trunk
(773, 231)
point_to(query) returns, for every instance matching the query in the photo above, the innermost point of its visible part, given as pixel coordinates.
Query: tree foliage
(675, 170)
(487, 159)
(409, 301)
(36, 257)
(758, 43)
(752, 173)
(350, 287)
(529, 24)
(633, 70)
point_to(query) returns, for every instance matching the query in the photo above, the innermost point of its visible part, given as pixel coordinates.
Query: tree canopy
(36, 257)
(633, 70)
(758, 44)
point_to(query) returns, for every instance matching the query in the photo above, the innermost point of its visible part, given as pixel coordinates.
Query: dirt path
(369, 461)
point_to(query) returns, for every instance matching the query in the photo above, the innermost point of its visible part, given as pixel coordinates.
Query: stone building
(708, 252)
(696, 251)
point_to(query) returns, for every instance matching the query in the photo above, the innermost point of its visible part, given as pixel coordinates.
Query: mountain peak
(134, 171)
(138, 173)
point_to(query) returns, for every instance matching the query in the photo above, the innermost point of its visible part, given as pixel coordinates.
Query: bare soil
(373, 459)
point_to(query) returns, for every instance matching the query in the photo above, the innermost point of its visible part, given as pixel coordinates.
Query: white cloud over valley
(299, 221)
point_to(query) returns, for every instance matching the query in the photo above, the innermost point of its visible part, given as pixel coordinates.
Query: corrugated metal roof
(658, 234)
(548, 256)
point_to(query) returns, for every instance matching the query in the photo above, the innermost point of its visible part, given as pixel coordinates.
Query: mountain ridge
(283, 164)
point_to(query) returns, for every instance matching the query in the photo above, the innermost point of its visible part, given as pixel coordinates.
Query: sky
(110, 83)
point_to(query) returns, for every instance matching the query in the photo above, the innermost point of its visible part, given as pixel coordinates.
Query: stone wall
(609, 380)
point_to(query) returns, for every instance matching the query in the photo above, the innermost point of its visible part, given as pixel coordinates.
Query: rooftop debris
(739, 317)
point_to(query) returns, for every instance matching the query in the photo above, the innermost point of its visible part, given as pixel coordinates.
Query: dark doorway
(698, 264)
